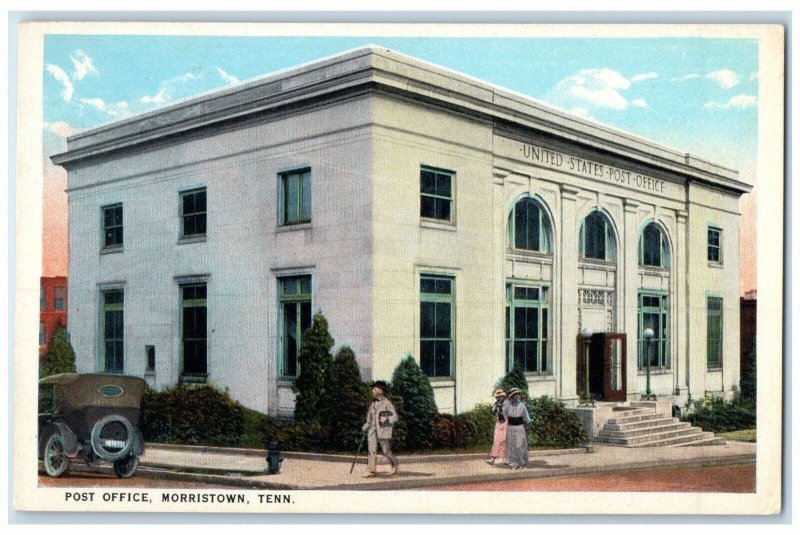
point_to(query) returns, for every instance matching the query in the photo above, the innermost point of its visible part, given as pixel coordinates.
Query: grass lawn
(743, 435)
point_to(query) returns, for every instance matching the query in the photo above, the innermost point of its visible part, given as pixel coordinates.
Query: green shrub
(450, 431)
(480, 424)
(60, 356)
(749, 380)
(419, 407)
(314, 359)
(514, 379)
(400, 429)
(191, 415)
(553, 424)
(350, 397)
(254, 426)
(715, 414)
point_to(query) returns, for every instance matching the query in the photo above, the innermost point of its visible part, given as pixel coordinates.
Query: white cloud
(725, 78)
(583, 112)
(738, 102)
(185, 77)
(692, 76)
(229, 78)
(597, 87)
(644, 76)
(60, 128)
(639, 102)
(82, 65)
(159, 98)
(754, 76)
(120, 109)
(59, 74)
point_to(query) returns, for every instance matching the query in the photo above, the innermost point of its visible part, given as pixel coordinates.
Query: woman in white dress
(517, 434)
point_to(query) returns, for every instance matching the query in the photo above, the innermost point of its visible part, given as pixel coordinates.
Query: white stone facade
(365, 123)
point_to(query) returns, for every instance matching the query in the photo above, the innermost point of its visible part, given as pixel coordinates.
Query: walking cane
(360, 445)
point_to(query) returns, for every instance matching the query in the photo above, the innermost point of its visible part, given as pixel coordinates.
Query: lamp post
(586, 334)
(648, 335)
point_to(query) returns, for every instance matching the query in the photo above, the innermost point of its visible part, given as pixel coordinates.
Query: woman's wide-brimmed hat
(514, 391)
(380, 384)
(499, 393)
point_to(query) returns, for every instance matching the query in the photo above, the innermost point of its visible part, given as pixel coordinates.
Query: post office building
(425, 213)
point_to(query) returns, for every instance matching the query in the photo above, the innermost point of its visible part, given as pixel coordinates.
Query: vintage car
(92, 416)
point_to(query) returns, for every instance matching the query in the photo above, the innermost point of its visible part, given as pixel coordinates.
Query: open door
(614, 368)
(607, 367)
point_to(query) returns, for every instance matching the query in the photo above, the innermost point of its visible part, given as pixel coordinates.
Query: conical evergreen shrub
(349, 400)
(60, 356)
(419, 406)
(314, 359)
(515, 379)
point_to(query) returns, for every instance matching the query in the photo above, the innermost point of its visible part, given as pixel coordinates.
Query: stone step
(639, 440)
(703, 438)
(648, 430)
(713, 440)
(636, 418)
(640, 424)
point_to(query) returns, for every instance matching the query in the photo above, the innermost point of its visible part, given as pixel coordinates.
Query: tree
(350, 397)
(314, 359)
(419, 407)
(60, 356)
(748, 381)
(515, 379)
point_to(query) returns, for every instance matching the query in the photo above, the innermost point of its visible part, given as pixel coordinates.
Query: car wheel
(127, 466)
(112, 428)
(56, 461)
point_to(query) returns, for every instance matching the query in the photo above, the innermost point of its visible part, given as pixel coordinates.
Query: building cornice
(376, 68)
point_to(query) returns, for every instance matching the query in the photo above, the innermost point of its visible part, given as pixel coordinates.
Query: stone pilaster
(629, 262)
(567, 251)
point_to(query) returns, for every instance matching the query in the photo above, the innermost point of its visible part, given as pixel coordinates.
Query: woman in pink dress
(500, 427)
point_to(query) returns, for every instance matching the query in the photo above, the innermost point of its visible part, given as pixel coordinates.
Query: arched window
(596, 238)
(529, 227)
(653, 247)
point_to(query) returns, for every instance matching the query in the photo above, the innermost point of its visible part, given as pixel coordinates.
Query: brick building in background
(52, 309)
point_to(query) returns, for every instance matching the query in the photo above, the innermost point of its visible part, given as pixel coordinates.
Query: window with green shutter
(714, 332)
(436, 325)
(295, 319)
(527, 327)
(295, 196)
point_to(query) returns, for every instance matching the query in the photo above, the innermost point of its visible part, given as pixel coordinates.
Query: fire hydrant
(274, 458)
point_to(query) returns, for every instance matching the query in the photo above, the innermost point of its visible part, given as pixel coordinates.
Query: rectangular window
(112, 226)
(437, 194)
(527, 329)
(150, 358)
(295, 197)
(42, 333)
(653, 314)
(714, 333)
(193, 213)
(42, 298)
(60, 298)
(295, 319)
(714, 245)
(113, 331)
(436, 325)
(195, 329)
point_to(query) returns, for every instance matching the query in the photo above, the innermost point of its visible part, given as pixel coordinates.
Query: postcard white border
(29, 181)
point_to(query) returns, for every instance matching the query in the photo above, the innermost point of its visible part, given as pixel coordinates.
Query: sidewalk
(247, 468)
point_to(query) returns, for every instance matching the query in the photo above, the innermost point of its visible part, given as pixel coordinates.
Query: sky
(691, 94)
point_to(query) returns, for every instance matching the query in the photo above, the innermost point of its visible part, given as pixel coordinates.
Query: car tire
(126, 467)
(97, 443)
(56, 462)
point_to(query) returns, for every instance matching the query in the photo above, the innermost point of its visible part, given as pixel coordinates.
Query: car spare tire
(112, 437)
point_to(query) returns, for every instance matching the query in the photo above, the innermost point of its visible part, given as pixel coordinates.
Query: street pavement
(247, 468)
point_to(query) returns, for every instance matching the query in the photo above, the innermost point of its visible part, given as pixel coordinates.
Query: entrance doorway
(607, 367)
